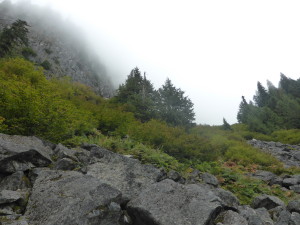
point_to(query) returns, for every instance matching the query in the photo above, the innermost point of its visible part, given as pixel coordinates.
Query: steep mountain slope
(59, 46)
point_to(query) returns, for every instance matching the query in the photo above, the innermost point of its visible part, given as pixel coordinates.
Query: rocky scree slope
(59, 46)
(289, 155)
(44, 183)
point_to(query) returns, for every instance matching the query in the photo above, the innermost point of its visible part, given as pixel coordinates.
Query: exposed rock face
(266, 201)
(60, 44)
(44, 183)
(70, 198)
(168, 202)
(126, 174)
(288, 154)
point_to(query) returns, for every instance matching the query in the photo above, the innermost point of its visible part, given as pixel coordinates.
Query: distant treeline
(273, 108)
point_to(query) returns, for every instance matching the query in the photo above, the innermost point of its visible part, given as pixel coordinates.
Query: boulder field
(49, 184)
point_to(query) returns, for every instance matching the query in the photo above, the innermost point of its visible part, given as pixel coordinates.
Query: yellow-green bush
(30, 105)
(287, 136)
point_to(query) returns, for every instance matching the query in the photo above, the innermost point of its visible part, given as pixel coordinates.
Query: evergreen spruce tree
(173, 107)
(262, 97)
(226, 125)
(139, 95)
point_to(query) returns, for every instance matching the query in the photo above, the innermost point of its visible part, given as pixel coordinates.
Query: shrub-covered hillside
(155, 126)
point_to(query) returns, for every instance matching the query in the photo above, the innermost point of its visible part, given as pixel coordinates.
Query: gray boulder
(294, 206)
(284, 218)
(266, 201)
(168, 202)
(287, 182)
(15, 181)
(264, 215)
(295, 219)
(125, 174)
(264, 175)
(7, 196)
(229, 200)
(13, 144)
(210, 179)
(61, 152)
(69, 197)
(23, 161)
(20, 153)
(233, 218)
(65, 164)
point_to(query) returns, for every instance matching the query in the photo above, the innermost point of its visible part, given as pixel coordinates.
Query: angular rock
(14, 144)
(69, 197)
(264, 175)
(229, 200)
(173, 175)
(23, 161)
(287, 182)
(65, 164)
(125, 174)
(233, 218)
(7, 196)
(210, 179)
(168, 202)
(275, 212)
(293, 206)
(266, 201)
(15, 181)
(264, 215)
(295, 188)
(284, 218)
(63, 152)
(295, 219)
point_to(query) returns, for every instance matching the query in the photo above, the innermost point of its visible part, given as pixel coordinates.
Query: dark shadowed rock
(168, 202)
(15, 181)
(266, 201)
(65, 164)
(294, 206)
(125, 174)
(68, 197)
(23, 161)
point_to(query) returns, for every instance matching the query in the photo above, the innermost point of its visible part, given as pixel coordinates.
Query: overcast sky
(214, 50)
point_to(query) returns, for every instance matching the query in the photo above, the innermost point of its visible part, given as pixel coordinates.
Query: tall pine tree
(173, 107)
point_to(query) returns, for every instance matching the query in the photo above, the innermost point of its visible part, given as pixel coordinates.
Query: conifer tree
(139, 95)
(261, 98)
(173, 107)
(13, 36)
(226, 125)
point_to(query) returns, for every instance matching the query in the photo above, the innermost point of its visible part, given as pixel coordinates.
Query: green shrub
(27, 52)
(46, 65)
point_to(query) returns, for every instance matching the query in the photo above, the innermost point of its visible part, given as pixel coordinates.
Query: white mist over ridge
(215, 51)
